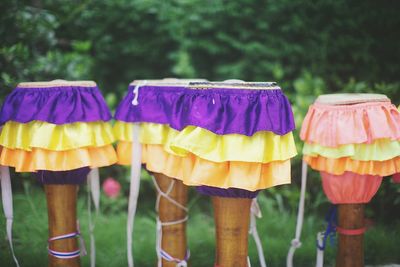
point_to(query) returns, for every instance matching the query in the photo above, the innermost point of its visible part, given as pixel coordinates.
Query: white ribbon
(135, 100)
(93, 181)
(254, 214)
(300, 217)
(160, 252)
(136, 165)
(6, 194)
(320, 252)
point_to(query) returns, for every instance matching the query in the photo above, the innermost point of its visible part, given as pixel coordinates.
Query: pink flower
(111, 187)
(396, 178)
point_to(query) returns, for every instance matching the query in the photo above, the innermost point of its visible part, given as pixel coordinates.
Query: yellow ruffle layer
(262, 147)
(380, 150)
(42, 159)
(39, 134)
(195, 171)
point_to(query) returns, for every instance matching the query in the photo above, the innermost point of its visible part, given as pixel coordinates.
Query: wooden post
(232, 219)
(350, 248)
(173, 236)
(61, 207)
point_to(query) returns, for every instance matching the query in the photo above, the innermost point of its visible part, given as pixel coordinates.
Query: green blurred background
(308, 47)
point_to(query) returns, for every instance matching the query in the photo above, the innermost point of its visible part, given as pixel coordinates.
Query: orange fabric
(350, 187)
(42, 159)
(196, 171)
(341, 165)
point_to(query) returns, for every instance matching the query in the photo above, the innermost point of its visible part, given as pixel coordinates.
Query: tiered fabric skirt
(58, 127)
(352, 146)
(220, 135)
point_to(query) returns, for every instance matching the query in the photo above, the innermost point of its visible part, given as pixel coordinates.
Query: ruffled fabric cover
(350, 187)
(262, 147)
(341, 165)
(194, 171)
(220, 110)
(332, 126)
(38, 134)
(217, 136)
(352, 146)
(42, 159)
(56, 127)
(58, 105)
(379, 150)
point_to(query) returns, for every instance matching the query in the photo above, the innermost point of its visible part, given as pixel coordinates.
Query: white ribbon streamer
(134, 188)
(320, 252)
(254, 214)
(6, 194)
(93, 181)
(160, 252)
(296, 243)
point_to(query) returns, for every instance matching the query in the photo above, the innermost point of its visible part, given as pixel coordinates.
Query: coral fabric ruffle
(350, 187)
(341, 165)
(332, 126)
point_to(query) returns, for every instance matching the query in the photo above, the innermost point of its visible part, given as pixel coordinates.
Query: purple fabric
(77, 176)
(230, 192)
(58, 105)
(220, 110)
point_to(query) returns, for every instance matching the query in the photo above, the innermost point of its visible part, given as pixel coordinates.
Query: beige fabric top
(235, 84)
(56, 83)
(349, 99)
(166, 82)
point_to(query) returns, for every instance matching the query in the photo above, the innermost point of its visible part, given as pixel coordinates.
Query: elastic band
(162, 254)
(68, 255)
(351, 232)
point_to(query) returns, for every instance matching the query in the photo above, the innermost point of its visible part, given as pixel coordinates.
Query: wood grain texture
(173, 236)
(232, 218)
(61, 207)
(350, 251)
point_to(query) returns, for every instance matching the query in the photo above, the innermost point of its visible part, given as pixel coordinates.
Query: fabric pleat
(219, 110)
(42, 159)
(332, 126)
(195, 171)
(350, 188)
(58, 129)
(38, 134)
(379, 150)
(57, 104)
(262, 147)
(341, 165)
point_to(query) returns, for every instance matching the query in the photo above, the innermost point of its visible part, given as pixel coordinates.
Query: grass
(276, 229)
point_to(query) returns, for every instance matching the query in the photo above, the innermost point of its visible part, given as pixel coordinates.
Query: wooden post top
(56, 83)
(350, 99)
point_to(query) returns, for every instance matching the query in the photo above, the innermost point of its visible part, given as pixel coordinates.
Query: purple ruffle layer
(230, 192)
(57, 105)
(220, 110)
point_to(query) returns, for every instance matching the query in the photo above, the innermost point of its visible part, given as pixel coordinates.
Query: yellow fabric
(262, 147)
(379, 150)
(42, 159)
(39, 134)
(193, 171)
